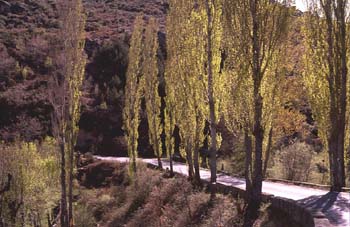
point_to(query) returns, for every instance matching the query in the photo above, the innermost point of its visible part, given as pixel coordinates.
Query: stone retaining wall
(310, 185)
(304, 216)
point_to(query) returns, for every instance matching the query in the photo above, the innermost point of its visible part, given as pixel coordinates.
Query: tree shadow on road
(333, 205)
(228, 180)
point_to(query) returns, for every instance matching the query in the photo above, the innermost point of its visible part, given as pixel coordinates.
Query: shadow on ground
(333, 205)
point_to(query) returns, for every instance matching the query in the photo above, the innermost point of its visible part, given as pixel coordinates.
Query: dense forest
(174, 112)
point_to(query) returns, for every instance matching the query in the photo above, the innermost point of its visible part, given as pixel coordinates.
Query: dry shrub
(151, 200)
(152, 212)
(296, 160)
(136, 195)
(223, 213)
(83, 216)
(155, 201)
(173, 202)
(300, 162)
(293, 162)
(96, 202)
(172, 196)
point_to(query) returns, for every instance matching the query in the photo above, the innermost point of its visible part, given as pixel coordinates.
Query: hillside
(27, 32)
(174, 113)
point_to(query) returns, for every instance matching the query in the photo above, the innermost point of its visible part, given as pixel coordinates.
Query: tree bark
(211, 101)
(254, 197)
(170, 148)
(156, 145)
(337, 79)
(268, 152)
(190, 162)
(63, 210)
(160, 166)
(248, 162)
(70, 184)
(197, 141)
(171, 164)
(197, 177)
(134, 151)
(341, 18)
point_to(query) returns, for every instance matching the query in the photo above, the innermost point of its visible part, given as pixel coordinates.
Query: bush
(224, 213)
(148, 199)
(299, 162)
(84, 217)
(296, 160)
(34, 190)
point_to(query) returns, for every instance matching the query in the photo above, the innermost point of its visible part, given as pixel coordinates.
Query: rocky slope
(27, 30)
(109, 26)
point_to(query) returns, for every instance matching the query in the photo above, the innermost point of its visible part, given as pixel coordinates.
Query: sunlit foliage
(133, 90)
(34, 189)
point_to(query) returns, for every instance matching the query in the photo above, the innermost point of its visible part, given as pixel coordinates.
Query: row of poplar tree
(35, 180)
(65, 93)
(224, 60)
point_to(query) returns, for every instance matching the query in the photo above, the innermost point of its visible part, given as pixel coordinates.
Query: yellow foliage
(133, 89)
(150, 85)
(35, 178)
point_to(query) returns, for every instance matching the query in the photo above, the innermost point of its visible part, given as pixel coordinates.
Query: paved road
(335, 206)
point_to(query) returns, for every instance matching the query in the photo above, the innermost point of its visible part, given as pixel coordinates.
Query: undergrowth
(149, 199)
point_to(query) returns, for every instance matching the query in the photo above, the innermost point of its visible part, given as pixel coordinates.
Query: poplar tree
(326, 77)
(170, 112)
(256, 28)
(151, 84)
(173, 74)
(77, 44)
(169, 126)
(194, 52)
(213, 33)
(65, 96)
(133, 91)
(185, 77)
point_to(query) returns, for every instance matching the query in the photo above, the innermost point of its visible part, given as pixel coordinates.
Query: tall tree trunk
(189, 161)
(170, 148)
(343, 86)
(197, 141)
(211, 94)
(197, 177)
(254, 197)
(70, 184)
(336, 150)
(134, 151)
(63, 207)
(171, 164)
(268, 152)
(337, 80)
(248, 162)
(156, 144)
(160, 166)
(330, 57)
(348, 163)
